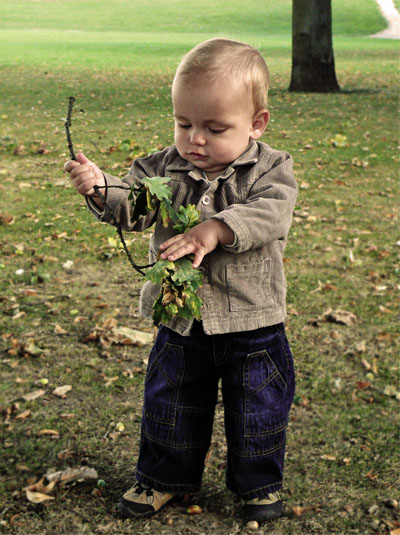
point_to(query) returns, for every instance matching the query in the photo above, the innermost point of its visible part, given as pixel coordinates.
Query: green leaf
(187, 217)
(167, 212)
(158, 311)
(158, 188)
(193, 303)
(186, 274)
(160, 271)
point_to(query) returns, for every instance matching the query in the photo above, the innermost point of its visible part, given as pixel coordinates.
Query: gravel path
(391, 14)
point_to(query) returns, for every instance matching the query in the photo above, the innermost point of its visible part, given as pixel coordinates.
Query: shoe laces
(139, 488)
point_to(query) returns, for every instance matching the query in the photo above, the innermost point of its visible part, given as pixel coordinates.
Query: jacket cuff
(242, 241)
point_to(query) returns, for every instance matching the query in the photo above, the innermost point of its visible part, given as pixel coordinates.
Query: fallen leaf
(390, 391)
(339, 316)
(39, 486)
(59, 330)
(61, 391)
(80, 319)
(362, 385)
(33, 395)
(30, 292)
(6, 219)
(108, 333)
(299, 511)
(133, 337)
(31, 348)
(37, 497)
(51, 433)
(69, 264)
(328, 457)
(81, 473)
(23, 415)
(109, 380)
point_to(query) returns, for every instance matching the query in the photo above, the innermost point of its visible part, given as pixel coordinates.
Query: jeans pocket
(266, 409)
(162, 385)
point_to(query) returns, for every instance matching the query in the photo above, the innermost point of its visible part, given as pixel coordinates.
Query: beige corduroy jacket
(244, 284)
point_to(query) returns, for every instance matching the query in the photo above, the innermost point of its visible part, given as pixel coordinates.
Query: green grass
(342, 254)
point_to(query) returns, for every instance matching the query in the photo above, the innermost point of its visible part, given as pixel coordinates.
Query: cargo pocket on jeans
(248, 286)
(162, 385)
(266, 414)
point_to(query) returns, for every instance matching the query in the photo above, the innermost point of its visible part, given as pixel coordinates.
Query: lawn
(66, 285)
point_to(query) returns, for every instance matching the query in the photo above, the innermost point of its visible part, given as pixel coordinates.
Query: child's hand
(200, 240)
(84, 175)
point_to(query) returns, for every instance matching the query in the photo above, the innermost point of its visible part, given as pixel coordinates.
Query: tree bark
(313, 63)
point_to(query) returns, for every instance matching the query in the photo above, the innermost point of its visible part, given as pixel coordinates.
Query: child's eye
(217, 130)
(184, 125)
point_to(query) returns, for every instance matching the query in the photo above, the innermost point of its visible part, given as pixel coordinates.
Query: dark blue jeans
(181, 389)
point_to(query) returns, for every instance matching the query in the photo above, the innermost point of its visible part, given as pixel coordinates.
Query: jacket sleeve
(117, 198)
(266, 214)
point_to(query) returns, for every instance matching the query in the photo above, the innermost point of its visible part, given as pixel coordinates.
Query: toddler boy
(246, 194)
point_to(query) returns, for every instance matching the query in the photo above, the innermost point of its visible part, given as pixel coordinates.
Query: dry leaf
(37, 497)
(61, 391)
(34, 395)
(59, 330)
(109, 380)
(328, 457)
(299, 511)
(24, 415)
(339, 316)
(133, 337)
(39, 486)
(6, 219)
(79, 319)
(108, 333)
(72, 474)
(51, 433)
(390, 391)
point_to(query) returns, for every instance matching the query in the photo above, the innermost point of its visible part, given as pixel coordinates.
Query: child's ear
(259, 124)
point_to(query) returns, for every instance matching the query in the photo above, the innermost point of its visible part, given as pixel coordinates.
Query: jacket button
(206, 200)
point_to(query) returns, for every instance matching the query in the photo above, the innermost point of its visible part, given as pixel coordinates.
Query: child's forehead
(219, 90)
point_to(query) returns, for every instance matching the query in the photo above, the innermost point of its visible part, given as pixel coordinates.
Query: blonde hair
(226, 59)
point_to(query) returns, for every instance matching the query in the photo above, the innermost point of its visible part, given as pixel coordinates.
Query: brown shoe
(143, 501)
(265, 508)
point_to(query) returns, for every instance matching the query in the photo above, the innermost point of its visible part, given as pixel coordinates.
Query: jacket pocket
(248, 286)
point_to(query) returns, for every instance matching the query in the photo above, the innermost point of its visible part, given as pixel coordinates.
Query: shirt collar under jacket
(249, 156)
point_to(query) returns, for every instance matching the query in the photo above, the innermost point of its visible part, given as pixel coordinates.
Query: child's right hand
(84, 175)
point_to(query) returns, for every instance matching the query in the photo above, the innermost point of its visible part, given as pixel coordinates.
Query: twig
(118, 226)
(119, 230)
(67, 125)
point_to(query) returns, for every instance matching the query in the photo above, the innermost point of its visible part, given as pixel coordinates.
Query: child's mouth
(197, 156)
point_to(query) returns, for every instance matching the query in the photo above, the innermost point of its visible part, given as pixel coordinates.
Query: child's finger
(82, 159)
(170, 241)
(68, 166)
(198, 258)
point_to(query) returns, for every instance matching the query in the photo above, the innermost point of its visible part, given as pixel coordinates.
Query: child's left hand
(199, 240)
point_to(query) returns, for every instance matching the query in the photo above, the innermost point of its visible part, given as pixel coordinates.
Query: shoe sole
(263, 513)
(127, 512)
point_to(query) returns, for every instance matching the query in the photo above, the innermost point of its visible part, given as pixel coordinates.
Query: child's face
(214, 123)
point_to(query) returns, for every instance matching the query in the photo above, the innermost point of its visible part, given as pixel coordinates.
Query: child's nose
(197, 138)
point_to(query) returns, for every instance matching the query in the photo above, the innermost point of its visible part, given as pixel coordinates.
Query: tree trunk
(313, 63)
